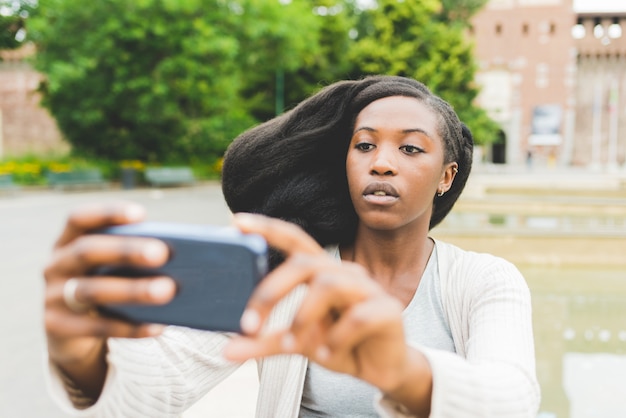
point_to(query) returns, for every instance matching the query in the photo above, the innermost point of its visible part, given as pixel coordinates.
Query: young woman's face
(395, 163)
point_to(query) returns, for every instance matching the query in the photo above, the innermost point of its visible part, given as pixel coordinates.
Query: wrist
(414, 390)
(83, 376)
(76, 395)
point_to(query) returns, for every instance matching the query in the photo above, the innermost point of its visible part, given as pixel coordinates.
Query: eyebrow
(404, 131)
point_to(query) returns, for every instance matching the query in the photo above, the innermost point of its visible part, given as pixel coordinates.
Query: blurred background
(116, 100)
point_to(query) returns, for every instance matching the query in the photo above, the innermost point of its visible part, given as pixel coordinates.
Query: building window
(614, 31)
(578, 30)
(598, 30)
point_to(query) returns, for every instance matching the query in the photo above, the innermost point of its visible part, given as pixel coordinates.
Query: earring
(456, 170)
(440, 192)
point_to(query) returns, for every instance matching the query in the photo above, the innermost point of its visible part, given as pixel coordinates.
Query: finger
(329, 293)
(310, 344)
(365, 343)
(310, 341)
(284, 236)
(332, 286)
(62, 324)
(93, 216)
(381, 317)
(90, 251)
(113, 290)
(275, 286)
(241, 348)
(382, 313)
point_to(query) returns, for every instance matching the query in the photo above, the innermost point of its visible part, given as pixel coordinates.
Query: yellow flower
(134, 164)
(218, 165)
(59, 167)
(8, 167)
(28, 168)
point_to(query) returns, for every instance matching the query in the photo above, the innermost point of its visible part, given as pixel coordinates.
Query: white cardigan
(492, 374)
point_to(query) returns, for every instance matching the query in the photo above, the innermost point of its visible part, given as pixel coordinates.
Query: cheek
(354, 174)
(353, 185)
(351, 168)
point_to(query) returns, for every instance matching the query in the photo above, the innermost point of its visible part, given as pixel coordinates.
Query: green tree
(157, 80)
(460, 11)
(407, 38)
(322, 42)
(278, 49)
(13, 15)
(329, 63)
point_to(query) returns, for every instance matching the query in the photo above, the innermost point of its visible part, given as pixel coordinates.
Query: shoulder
(459, 268)
(453, 256)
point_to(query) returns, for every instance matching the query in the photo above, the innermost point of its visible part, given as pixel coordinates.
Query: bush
(31, 170)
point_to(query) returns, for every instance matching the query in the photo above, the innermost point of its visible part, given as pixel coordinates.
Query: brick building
(25, 127)
(552, 76)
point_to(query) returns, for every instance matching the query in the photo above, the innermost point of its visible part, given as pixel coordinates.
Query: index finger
(89, 217)
(282, 235)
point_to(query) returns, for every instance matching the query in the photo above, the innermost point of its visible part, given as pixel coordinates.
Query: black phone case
(215, 269)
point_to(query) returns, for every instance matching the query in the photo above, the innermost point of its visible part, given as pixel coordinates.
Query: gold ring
(69, 297)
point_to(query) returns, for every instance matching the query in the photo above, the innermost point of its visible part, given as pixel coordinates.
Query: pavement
(29, 223)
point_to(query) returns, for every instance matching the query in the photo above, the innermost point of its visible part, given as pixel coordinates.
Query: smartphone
(215, 269)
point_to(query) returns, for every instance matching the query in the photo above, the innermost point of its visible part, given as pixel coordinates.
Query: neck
(396, 260)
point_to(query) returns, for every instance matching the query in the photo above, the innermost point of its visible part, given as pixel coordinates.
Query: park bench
(76, 178)
(6, 183)
(169, 176)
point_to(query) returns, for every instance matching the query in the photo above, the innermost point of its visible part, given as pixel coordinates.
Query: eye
(411, 149)
(364, 146)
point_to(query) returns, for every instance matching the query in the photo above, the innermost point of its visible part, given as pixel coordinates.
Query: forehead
(398, 112)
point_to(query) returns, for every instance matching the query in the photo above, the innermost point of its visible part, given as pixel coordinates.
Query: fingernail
(160, 289)
(245, 220)
(155, 329)
(152, 252)
(134, 213)
(250, 321)
(233, 352)
(288, 342)
(322, 353)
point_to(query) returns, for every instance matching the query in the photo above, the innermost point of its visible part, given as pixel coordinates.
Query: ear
(447, 177)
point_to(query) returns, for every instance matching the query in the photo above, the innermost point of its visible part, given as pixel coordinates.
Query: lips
(380, 189)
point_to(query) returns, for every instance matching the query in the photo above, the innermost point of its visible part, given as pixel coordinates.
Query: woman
(386, 320)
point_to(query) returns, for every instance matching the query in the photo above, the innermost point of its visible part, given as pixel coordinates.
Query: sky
(600, 5)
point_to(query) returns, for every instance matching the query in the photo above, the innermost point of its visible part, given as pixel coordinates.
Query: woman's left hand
(346, 322)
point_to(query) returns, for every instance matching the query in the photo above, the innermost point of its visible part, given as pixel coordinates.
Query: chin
(391, 222)
(381, 221)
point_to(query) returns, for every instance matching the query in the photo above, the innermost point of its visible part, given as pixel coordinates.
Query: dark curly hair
(293, 166)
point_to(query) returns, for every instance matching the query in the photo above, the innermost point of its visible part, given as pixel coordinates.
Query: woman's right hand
(77, 337)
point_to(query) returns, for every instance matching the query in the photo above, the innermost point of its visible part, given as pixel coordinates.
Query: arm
(99, 360)
(76, 335)
(346, 322)
(491, 318)
(493, 372)
(161, 376)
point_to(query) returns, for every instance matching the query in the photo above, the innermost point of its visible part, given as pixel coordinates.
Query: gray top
(330, 394)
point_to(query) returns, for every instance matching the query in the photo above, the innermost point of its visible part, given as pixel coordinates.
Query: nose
(383, 162)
